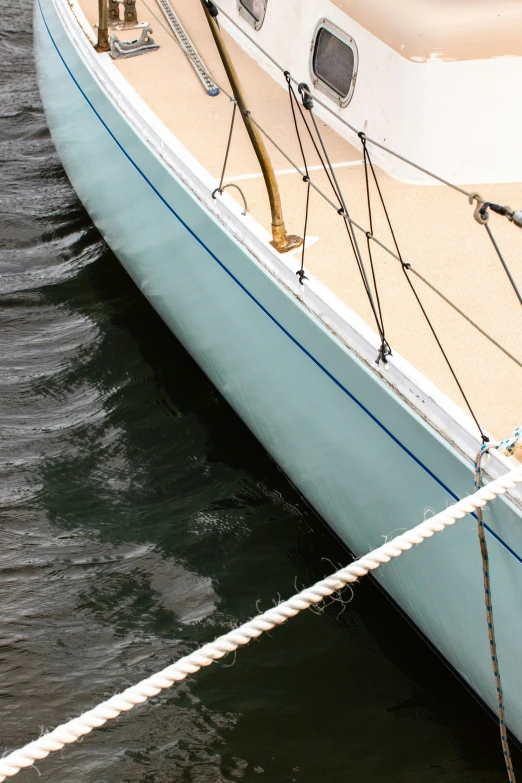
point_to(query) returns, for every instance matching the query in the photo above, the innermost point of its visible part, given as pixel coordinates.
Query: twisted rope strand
(507, 446)
(69, 732)
(491, 624)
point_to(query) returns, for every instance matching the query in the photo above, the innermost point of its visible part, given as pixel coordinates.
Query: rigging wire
(506, 268)
(352, 222)
(301, 272)
(219, 188)
(390, 252)
(405, 269)
(481, 215)
(466, 317)
(369, 234)
(384, 349)
(349, 125)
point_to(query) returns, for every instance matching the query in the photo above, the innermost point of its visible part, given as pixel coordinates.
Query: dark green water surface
(139, 519)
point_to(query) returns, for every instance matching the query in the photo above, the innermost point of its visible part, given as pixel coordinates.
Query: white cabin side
(461, 118)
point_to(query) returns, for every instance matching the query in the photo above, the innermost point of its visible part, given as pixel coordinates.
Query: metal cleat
(122, 49)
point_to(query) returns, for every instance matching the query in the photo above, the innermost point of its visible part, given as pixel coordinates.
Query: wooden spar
(282, 241)
(103, 31)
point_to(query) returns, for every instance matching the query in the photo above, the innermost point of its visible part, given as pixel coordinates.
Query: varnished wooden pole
(282, 241)
(103, 30)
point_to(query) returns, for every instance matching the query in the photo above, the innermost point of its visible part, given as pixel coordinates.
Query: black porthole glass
(333, 62)
(253, 10)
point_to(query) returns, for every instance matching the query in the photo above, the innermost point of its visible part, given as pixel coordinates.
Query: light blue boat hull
(361, 456)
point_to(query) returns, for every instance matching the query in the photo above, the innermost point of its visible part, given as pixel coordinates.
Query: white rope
(69, 732)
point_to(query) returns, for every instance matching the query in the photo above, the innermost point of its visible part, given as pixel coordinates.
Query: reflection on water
(139, 519)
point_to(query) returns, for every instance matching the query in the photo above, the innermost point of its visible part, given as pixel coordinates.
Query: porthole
(333, 62)
(253, 11)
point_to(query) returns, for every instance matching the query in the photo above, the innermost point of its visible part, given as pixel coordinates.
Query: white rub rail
(71, 731)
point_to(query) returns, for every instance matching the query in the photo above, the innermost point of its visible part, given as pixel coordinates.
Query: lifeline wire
(345, 214)
(219, 189)
(343, 210)
(301, 272)
(334, 206)
(506, 268)
(385, 348)
(385, 248)
(71, 731)
(405, 268)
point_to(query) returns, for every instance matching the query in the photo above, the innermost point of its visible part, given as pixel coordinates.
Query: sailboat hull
(362, 456)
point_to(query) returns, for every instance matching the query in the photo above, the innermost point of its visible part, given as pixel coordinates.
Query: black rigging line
(385, 248)
(300, 272)
(345, 213)
(517, 292)
(369, 234)
(384, 350)
(219, 189)
(338, 118)
(405, 268)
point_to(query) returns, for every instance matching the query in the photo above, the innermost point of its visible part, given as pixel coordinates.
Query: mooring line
(509, 446)
(71, 731)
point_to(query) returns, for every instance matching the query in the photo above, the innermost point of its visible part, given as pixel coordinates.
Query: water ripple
(139, 519)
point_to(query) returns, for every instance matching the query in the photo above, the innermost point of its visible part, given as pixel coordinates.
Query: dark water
(139, 519)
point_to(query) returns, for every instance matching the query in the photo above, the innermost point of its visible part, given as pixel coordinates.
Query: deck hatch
(253, 11)
(333, 62)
